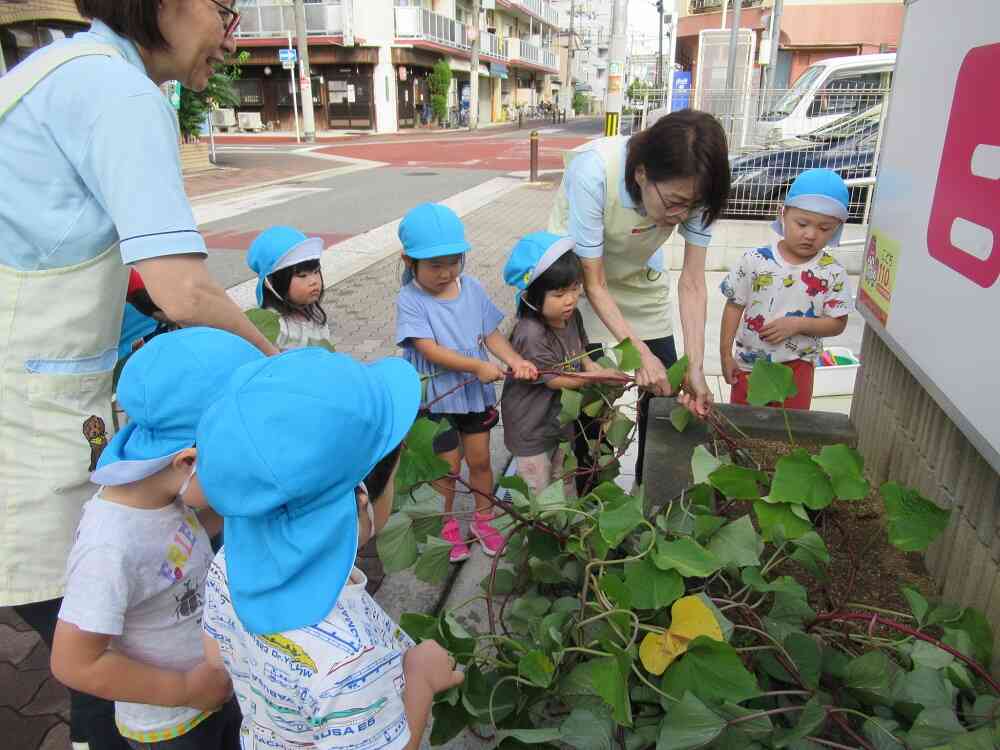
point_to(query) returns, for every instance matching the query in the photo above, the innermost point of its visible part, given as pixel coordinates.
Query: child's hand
(434, 665)
(522, 369)
(207, 687)
(487, 372)
(730, 370)
(780, 329)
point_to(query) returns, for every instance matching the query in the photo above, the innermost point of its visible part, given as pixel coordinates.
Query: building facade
(811, 30)
(370, 59)
(26, 26)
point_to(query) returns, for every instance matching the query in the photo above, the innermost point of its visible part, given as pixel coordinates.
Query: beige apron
(59, 334)
(630, 239)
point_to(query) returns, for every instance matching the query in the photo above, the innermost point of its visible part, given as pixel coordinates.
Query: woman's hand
(699, 399)
(652, 375)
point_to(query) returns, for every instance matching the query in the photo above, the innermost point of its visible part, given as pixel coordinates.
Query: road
(340, 190)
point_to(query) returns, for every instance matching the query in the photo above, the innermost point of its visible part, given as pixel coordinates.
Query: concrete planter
(194, 158)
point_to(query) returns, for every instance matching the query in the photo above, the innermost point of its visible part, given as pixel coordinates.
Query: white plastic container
(836, 380)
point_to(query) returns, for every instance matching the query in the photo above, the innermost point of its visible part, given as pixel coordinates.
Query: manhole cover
(419, 174)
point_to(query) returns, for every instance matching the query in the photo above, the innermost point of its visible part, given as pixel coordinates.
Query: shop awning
(498, 71)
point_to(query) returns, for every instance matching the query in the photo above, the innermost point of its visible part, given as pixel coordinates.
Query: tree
(219, 92)
(637, 89)
(439, 82)
(579, 102)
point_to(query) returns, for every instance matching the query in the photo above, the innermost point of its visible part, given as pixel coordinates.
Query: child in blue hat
(315, 662)
(289, 289)
(782, 300)
(549, 333)
(445, 322)
(130, 622)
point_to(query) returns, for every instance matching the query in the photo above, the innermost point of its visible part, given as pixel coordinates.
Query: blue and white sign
(288, 54)
(682, 90)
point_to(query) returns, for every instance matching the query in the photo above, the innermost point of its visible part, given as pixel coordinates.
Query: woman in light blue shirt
(90, 184)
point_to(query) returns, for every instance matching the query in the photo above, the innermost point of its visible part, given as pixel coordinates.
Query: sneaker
(486, 534)
(459, 549)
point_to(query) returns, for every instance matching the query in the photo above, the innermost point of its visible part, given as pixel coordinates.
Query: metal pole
(533, 151)
(671, 61)
(659, 57)
(295, 98)
(305, 81)
(474, 70)
(211, 137)
(733, 36)
(616, 68)
(569, 88)
(772, 64)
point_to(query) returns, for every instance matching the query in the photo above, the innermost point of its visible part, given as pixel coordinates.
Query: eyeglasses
(672, 209)
(230, 17)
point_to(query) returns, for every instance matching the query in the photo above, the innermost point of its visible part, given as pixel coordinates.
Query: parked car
(823, 94)
(761, 179)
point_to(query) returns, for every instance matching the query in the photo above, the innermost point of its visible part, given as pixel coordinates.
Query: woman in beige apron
(621, 199)
(90, 181)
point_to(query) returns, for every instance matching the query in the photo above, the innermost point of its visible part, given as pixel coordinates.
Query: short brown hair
(683, 144)
(133, 19)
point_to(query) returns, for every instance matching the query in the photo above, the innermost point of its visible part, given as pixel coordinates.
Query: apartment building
(592, 34)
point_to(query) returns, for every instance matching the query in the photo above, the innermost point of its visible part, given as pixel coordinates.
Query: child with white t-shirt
(315, 662)
(129, 628)
(783, 300)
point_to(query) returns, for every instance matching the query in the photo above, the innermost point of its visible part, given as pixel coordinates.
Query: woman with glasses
(621, 199)
(90, 184)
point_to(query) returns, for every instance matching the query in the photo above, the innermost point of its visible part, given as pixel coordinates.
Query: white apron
(630, 239)
(59, 334)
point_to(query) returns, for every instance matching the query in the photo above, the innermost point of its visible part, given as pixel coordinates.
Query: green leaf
(737, 482)
(737, 544)
(536, 668)
(979, 631)
(620, 430)
(918, 604)
(711, 670)
(770, 382)
(677, 372)
(594, 408)
(985, 738)
(810, 719)
(845, 467)
(268, 322)
(934, 726)
(944, 613)
(680, 418)
(724, 623)
(627, 356)
(616, 590)
(458, 640)
(883, 733)
(570, 402)
(791, 609)
(685, 556)
(688, 725)
(759, 725)
(433, 564)
(478, 692)
(527, 610)
(806, 655)
(784, 584)
(616, 524)
(870, 672)
(529, 736)
(542, 545)
(652, 588)
(798, 479)
(418, 462)
(928, 655)
(705, 525)
(703, 464)
(914, 521)
(611, 683)
(585, 729)
(778, 522)
(449, 721)
(396, 543)
(503, 583)
(420, 627)
(813, 543)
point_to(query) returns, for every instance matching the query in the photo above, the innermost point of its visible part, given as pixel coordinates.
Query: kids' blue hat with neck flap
(280, 247)
(821, 191)
(164, 388)
(280, 456)
(532, 256)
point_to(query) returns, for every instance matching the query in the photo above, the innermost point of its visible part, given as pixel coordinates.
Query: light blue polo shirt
(90, 158)
(586, 183)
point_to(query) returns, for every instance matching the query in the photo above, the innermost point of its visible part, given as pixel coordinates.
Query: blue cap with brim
(532, 256)
(431, 231)
(821, 191)
(280, 247)
(164, 388)
(279, 457)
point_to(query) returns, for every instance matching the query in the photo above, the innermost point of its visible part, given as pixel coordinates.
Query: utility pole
(772, 64)
(305, 81)
(616, 67)
(659, 58)
(672, 59)
(474, 68)
(733, 36)
(568, 88)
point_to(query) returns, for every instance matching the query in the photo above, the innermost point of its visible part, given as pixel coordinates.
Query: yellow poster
(878, 275)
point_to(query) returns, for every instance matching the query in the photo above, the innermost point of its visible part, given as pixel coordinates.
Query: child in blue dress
(445, 322)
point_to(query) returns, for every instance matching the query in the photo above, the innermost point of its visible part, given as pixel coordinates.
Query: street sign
(288, 64)
(287, 55)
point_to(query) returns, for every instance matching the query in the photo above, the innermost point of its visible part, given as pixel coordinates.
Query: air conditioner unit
(251, 121)
(224, 118)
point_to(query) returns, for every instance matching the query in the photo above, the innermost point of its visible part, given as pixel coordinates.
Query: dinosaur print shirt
(138, 575)
(336, 684)
(769, 287)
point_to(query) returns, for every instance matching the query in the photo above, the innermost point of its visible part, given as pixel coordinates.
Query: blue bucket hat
(279, 457)
(532, 256)
(821, 191)
(431, 230)
(280, 247)
(164, 388)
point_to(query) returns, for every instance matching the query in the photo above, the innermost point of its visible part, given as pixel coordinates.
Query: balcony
(540, 9)
(417, 23)
(492, 45)
(262, 19)
(520, 50)
(709, 6)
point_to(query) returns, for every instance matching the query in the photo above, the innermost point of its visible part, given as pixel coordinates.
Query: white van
(823, 93)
